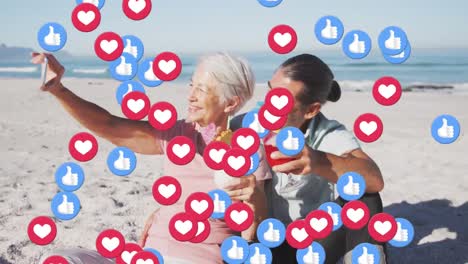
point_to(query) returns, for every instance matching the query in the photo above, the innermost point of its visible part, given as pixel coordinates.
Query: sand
(425, 182)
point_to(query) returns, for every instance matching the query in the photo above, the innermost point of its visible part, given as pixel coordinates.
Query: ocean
(424, 67)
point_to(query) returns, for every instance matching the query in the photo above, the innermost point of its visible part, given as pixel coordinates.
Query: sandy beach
(425, 182)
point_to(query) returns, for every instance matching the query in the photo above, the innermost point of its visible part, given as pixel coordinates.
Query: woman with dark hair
(303, 184)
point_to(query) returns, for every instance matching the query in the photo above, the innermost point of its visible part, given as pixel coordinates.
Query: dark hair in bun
(318, 79)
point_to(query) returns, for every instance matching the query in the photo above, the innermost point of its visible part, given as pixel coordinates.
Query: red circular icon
(200, 205)
(239, 216)
(382, 227)
(83, 146)
(167, 190)
(368, 127)
(110, 243)
(297, 235)
(130, 250)
(42, 230)
(183, 227)
(180, 150)
(270, 121)
(236, 162)
(246, 139)
(203, 231)
(282, 39)
(137, 9)
(144, 257)
(108, 46)
(162, 115)
(167, 66)
(387, 91)
(214, 153)
(55, 260)
(135, 105)
(320, 224)
(86, 17)
(279, 101)
(355, 215)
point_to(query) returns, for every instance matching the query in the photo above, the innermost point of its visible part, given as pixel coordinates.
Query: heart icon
(318, 224)
(282, 39)
(368, 127)
(148, 261)
(162, 116)
(239, 216)
(110, 243)
(181, 151)
(217, 155)
(137, 5)
(42, 230)
(279, 101)
(236, 163)
(167, 66)
(387, 91)
(136, 105)
(83, 147)
(299, 234)
(127, 256)
(271, 118)
(245, 142)
(183, 227)
(199, 206)
(109, 46)
(382, 227)
(86, 17)
(166, 190)
(355, 215)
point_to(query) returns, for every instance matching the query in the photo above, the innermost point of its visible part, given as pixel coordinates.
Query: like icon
(404, 235)
(83, 146)
(368, 127)
(251, 120)
(235, 250)
(351, 186)
(136, 9)
(167, 66)
(282, 39)
(110, 243)
(52, 37)
(329, 30)
(127, 88)
(357, 44)
(167, 190)
(290, 141)
(97, 3)
(259, 254)
(146, 74)
(86, 17)
(133, 46)
(313, 254)
(65, 205)
(221, 201)
(121, 161)
(387, 91)
(365, 253)
(124, 68)
(393, 40)
(334, 210)
(445, 129)
(271, 232)
(69, 177)
(42, 230)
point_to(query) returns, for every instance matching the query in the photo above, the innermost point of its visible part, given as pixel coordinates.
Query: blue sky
(239, 25)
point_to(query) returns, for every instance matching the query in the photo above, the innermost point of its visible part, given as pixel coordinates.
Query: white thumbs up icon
(271, 235)
(52, 39)
(129, 90)
(329, 32)
(65, 207)
(94, 2)
(123, 68)
(357, 46)
(122, 163)
(219, 205)
(235, 252)
(291, 143)
(70, 179)
(445, 131)
(392, 42)
(311, 257)
(132, 50)
(365, 258)
(256, 126)
(258, 258)
(333, 215)
(401, 234)
(149, 74)
(351, 188)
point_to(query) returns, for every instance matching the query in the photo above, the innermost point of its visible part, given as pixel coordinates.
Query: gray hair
(234, 76)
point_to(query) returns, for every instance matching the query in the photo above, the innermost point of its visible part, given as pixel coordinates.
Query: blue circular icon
(290, 141)
(329, 30)
(157, 254)
(133, 46)
(399, 58)
(221, 201)
(98, 3)
(259, 254)
(392, 40)
(234, 250)
(128, 87)
(65, 205)
(314, 253)
(334, 210)
(146, 74)
(121, 161)
(123, 68)
(365, 253)
(351, 186)
(52, 37)
(270, 3)
(445, 129)
(254, 162)
(404, 235)
(250, 120)
(69, 177)
(271, 232)
(357, 44)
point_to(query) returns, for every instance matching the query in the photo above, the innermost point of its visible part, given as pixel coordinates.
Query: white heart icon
(382, 227)
(181, 151)
(110, 243)
(135, 105)
(86, 17)
(148, 261)
(83, 147)
(199, 206)
(183, 227)
(368, 128)
(166, 190)
(282, 39)
(355, 215)
(239, 217)
(137, 5)
(387, 91)
(42, 230)
(271, 118)
(167, 66)
(217, 155)
(109, 46)
(318, 224)
(279, 101)
(245, 142)
(200, 229)
(127, 256)
(299, 234)
(162, 116)
(236, 163)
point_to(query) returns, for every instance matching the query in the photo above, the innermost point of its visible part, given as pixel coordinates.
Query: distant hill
(20, 54)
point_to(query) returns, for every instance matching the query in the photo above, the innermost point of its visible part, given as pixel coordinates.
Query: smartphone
(44, 71)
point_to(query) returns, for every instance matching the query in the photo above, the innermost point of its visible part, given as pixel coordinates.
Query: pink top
(193, 177)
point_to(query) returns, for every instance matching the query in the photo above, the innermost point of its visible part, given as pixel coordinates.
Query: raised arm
(139, 136)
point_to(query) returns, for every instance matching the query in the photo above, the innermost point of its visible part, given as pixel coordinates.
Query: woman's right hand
(55, 71)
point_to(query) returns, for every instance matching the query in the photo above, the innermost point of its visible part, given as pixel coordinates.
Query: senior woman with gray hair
(220, 86)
